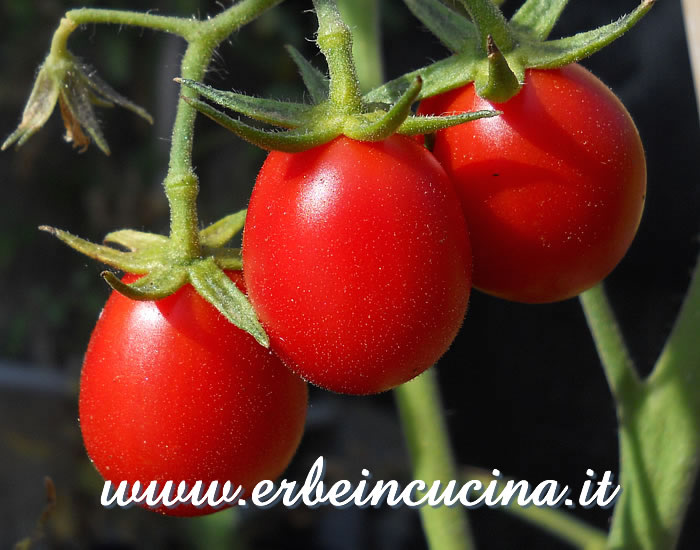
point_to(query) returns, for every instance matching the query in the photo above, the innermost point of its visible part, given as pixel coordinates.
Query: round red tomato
(356, 258)
(552, 190)
(170, 390)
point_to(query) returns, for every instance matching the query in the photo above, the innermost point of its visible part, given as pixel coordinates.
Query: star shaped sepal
(493, 52)
(337, 108)
(76, 87)
(154, 257)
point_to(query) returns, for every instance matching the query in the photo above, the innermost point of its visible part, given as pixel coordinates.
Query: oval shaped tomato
(170, 390)
(552, 190)
(357, 261)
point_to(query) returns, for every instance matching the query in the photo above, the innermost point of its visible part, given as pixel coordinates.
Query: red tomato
(356, 258)
(552, 190)
(170, 390)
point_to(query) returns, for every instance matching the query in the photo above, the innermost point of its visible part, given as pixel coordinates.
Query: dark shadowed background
(522, 385)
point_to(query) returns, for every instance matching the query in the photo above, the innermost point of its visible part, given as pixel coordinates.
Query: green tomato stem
(362, 16)
(59, 41)
(421, 414)
(617, 363)
(219, 28)
(490, 21)
(185, 28)
(181, 184)
(335, 42)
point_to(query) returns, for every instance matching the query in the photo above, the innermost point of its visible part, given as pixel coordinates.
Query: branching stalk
(659, 425)
(181, 184)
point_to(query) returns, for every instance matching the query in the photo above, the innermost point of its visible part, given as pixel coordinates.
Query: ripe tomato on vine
(553, 189)
(357, 261)
(171, 390)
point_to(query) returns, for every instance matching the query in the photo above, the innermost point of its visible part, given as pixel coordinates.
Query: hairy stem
(203, 37)
(185, 28)
(618, 365)
(424, 426)
(362, 16)
(220, 27)
(60, 37)
(181, 183)
(335, 42)
(490, 21)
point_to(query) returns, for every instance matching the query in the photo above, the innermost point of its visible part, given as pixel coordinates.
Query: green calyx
(493, 52)
(159, 260)
(338, 107)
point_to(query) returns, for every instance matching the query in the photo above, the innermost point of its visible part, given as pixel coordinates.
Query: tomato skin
(170, 390)
(553, 189)
(357, 260)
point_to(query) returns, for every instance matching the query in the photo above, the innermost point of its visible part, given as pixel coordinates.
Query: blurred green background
(522, 385)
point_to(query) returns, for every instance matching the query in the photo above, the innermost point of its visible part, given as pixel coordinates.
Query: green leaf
(290, 141)
(215, 287)
(136, 240)
(454, 30)
(126, 261)
(538, 17)
(158, 284)
(270, 111)
(222, 231)
(556, 53)
(314, 80)
(415, 125)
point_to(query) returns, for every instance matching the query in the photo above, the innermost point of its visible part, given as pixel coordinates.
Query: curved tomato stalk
(338, 107)
(522, 43)
(188, 254)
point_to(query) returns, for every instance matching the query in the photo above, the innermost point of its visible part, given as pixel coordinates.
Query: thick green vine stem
(334, 39)
(489, 21)
(422, 418)
(362, 16)
(659, 425)
(619, 368)
(187, 255)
